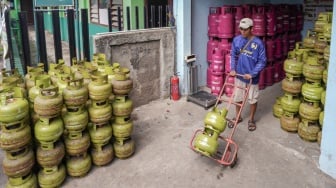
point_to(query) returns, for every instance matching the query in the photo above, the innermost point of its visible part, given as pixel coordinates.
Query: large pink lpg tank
(226, 23)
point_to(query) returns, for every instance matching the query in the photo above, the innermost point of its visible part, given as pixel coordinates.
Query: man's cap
(246, 23)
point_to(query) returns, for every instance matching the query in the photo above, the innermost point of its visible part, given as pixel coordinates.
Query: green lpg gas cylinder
(99, 88)
(30, 76)
(49, 102)
(18, 163)
(216, 120)
(312, 91)
(100, 133)
(290, 103)
(313, 73)
(78, 166)
(277, 108)
(292, 84)
(15, 135)
(75, 93)
(289, 122)
(206, 143)
(102, 155)
(47, 131)
(325, 76)
(321, 118)
(13, 107)
(28, 181)
(41, 81)
(310, 111)
(75, 119)
(51, 177)
(50, 157)
(124, 148)
(323, 96)
(308, 130)
(122, 127)
(293, 66)
(122, 87)
(122, 106)
(78, 145)
(100, 111)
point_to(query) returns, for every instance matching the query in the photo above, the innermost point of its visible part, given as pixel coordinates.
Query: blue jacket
(251, 61)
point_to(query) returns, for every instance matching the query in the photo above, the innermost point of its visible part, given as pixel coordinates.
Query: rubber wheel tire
(234, 161)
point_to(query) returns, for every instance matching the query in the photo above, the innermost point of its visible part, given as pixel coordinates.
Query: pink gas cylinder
(247, 9)
(285, 44)
(285, 17)
(270, 48)
(282, 70)
(278, 47)
(279, 20)
(298, 37)
(270, 20)
(216, 84)
(212, 21)
(224, 45)
(259, 21)
(238, 15)
(228, 90)
(261, 83)
(227, 55)
(269, 74)
(226, 23)
(217, 64)
(276, 75)
(299, 18)
(208, 81)
(211, 45)
(292, 18)
(291, 41)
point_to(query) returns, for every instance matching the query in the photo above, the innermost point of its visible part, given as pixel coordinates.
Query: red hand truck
(228, 156)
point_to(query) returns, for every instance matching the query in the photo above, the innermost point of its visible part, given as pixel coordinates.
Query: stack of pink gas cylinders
(279, 26)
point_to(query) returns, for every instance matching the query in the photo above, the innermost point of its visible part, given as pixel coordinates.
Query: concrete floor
(268, 157)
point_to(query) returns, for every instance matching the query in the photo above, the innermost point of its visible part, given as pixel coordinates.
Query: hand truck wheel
(234, 161)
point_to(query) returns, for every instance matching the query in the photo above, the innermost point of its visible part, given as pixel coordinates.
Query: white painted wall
(182, 14)
(328, 148)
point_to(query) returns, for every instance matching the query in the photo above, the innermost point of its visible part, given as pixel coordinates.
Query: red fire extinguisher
(174, 87)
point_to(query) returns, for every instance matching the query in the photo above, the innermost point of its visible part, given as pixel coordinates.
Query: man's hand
(233, 73)
(247, 76)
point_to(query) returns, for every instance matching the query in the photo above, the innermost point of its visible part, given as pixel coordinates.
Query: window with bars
(99, 11)
(114, 13)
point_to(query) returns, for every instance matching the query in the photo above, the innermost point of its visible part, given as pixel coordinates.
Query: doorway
(158, 17)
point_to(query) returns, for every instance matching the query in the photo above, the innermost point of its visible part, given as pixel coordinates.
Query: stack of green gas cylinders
(214, 124)
(15, 135)
(301, 108)
(76, 118)
(65, 119)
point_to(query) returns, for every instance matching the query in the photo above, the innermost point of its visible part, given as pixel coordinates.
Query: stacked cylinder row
(269, 20)
(16, 132)
(301, 108)
(279, 26)
(79, 115)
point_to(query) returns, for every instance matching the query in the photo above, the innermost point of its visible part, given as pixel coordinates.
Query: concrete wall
(148, 53)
